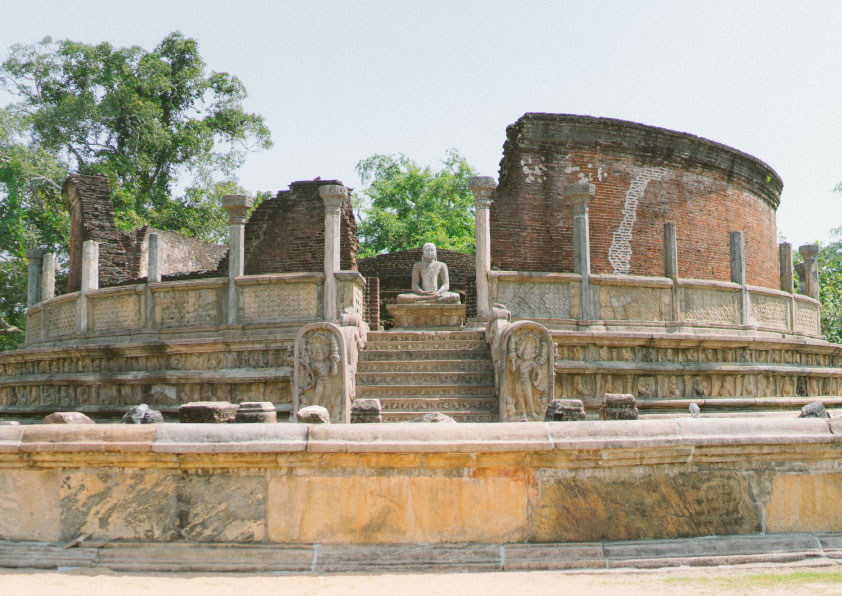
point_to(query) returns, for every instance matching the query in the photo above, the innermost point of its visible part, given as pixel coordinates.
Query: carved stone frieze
(708, 306)
(116, 312)
(770, 311)
(279, 302)
(535, 299)
(187, 308)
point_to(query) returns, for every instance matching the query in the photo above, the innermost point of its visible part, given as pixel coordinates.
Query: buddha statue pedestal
(427, 315)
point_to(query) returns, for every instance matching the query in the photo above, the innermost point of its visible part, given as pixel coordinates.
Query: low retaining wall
(418, 483)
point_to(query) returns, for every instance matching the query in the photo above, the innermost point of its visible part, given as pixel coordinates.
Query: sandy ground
(793, 580)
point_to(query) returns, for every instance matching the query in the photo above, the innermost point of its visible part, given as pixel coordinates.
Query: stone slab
(230, 438)
(523, 557)
(29, 506)
(120, 438)
(806, 502)
(425, 316)
(407, 558)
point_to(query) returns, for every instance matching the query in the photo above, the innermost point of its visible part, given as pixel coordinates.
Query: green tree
(143, 118)
(405, 205)
(830, 287)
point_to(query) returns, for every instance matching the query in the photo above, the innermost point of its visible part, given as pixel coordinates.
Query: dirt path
(792, 580)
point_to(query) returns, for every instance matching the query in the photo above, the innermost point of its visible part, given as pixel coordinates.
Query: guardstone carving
(524, 370)
(324, 368)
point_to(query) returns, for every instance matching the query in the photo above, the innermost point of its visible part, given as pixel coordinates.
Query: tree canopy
(405, 205)
(149, 120)
(830, 287)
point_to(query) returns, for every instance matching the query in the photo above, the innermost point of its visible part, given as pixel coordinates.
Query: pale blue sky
(338, 81)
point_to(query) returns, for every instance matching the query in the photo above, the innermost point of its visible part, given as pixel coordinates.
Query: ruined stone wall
(286, 234)
(178, 253)
(394, 270)
(88, 200)
(371, 302)
(643, 177)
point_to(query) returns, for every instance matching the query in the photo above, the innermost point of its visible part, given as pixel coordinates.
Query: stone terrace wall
(88, 200)
(389, 483)
(394, 270)
(644, 176)
(286, 234)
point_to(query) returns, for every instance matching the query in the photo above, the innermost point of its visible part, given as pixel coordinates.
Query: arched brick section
(643, 177)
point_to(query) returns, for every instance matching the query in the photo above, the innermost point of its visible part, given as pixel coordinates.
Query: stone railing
(194, 308)
(556, 298)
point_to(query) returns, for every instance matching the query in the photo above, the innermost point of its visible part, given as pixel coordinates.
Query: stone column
(153, 259)
(333, 196)
(785, 267)
(482, 187)
(237, 207)
(670, 251)
(33, 282)
(48, 277)
(810, 254)
(579, 194)
(90, 281)
(738, 274)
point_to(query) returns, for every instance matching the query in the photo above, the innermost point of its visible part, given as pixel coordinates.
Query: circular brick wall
(643, 176)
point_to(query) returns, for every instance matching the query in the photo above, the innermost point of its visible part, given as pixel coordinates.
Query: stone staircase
(415, 372)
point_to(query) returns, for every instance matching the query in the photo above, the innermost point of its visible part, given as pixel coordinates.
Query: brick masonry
(394, 272)
(643, 176)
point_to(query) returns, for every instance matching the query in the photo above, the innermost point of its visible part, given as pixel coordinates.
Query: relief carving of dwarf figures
(526, 360)
(319, 364)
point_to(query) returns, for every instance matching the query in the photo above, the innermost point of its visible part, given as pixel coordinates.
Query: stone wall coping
(610, 279)
(533, 276)
(768, 291)
(350, 275)
(422, 438)
(709, 284)
(189, 284)
(71, 297)
(279, 278)
(804, 298)
(116, 291)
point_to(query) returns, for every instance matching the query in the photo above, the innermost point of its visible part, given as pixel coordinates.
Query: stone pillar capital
(809, 251)
(35, 254)
(333, 195)
(482, 187)
(237, 207)
(579, 194)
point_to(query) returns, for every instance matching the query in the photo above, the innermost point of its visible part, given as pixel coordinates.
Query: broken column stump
(214, 412)
(618, 406)
(565, 410)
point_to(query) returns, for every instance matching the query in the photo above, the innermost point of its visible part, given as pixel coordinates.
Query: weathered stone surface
(29, 507)
(565, 410)
(366, 410)
(802, 502)
(396, 509)
(207, 411)
(230, 438)
(9, 422)
(434, 417)
(67, 418)
(256, 412)
(161, 506)
(814, 409)
(637, 504)
(618, 406)
(313, 415)
(142, 414)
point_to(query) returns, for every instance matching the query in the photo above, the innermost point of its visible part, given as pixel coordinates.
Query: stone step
(457, 416)
(426, 335)
(440, 344)
(424, 378)
(423, 366)
(439, 404)
(368, 355)
(424, 391)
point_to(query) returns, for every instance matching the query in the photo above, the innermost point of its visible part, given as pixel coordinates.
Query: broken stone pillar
(670, 251)
(366, 411)
(237, 207)
(90, 281)
(48, 277)
(618, 406)
(738, 274)
(785, 267)
(579, 194)
(153, 259)
(482, 187)
(33, 282)
(814, 409)
(800, 270)
(333, 196)
(810, 254)
(313, 415)
(256, 412)
(565, 410)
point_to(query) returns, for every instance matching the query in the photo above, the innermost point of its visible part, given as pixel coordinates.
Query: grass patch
(762, 580)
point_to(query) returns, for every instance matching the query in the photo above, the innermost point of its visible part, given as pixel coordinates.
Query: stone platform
(427, 316)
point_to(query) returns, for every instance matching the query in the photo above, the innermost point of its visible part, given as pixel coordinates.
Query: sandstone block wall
(644, 176)
(394, 270)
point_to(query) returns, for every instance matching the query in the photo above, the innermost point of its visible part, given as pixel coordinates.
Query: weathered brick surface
(644, 176)
(178, 253)
(394, 272)
(92, 218)
(371, 302)
(286, 233)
